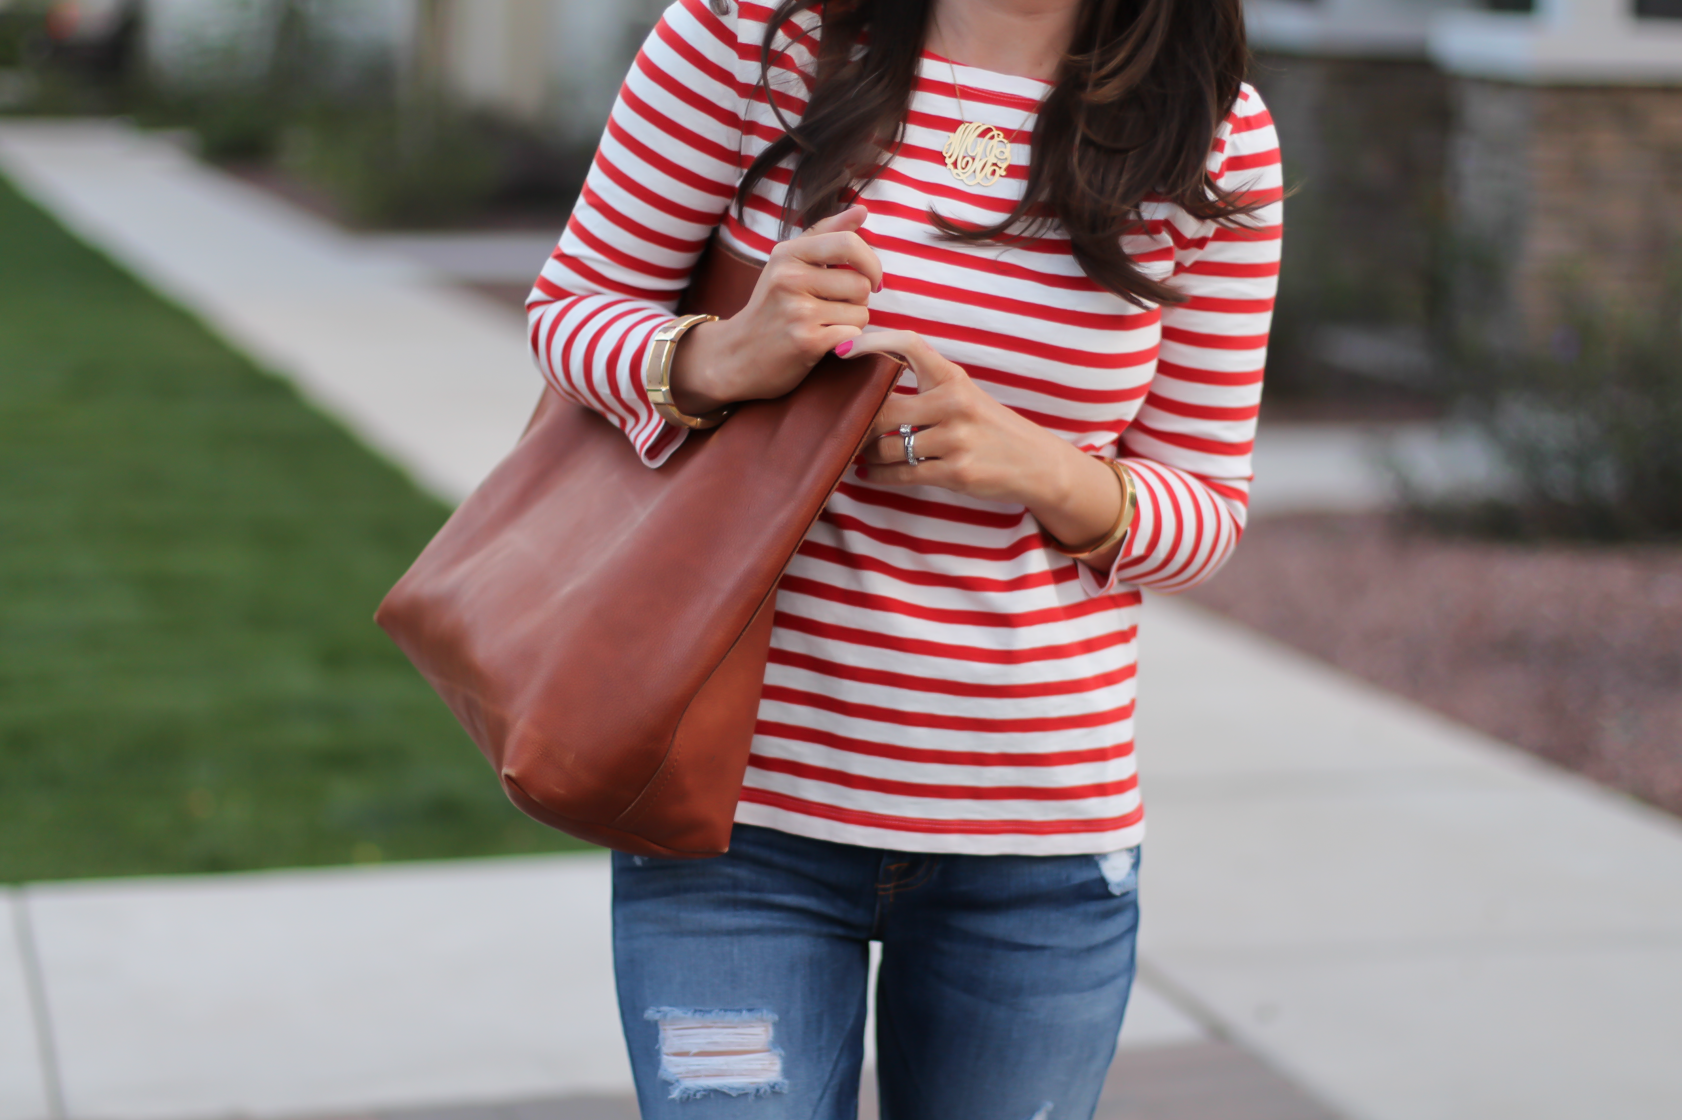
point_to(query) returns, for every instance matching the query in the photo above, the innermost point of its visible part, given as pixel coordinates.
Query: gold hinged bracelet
(657, 379)
(1123, 521)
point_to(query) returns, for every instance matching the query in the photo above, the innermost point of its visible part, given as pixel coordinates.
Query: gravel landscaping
(1571, 652)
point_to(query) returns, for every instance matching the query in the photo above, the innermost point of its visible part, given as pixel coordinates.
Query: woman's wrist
(702, 355)
(1078, 500)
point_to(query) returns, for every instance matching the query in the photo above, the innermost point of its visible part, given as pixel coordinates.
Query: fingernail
(880, 284)
(844, 349)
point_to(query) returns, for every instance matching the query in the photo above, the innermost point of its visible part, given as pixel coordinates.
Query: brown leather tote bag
(600, 628)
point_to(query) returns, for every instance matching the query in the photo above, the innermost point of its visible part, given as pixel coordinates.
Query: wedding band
(909, 435)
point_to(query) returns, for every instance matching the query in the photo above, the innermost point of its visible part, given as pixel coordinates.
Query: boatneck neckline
(931, 56)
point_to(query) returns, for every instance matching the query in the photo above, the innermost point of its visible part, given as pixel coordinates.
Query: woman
(1064, 215)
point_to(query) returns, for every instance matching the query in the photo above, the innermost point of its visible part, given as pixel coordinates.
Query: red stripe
(667, 167)
(944, 511)
(1045, 313)
(1227, 306)
(1235, 269)
(1015, 343)
(636, 190)
(1047, 387)
(604, 284)
(899, 718)
(703, 14)
(636, 229)
(1067, 612)
(687, 51)
(865, 563)
(830, 776)
(1195, 443)
(1176, 372)
(986, 264)
(611, 366)
(586, 368)
(1245, 234)
(952, 652)
(623, 259)
(1030, 542)
(1177, 521)
(1250, 161)
(1239, 124)
(686, 95)
(936, 827)
(858, 674)
(1048, 759)
(1209, 341)
(1172, 407)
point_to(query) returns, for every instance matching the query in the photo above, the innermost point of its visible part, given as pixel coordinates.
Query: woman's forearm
(1077, 500)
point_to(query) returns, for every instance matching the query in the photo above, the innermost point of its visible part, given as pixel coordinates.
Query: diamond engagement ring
(909, 435)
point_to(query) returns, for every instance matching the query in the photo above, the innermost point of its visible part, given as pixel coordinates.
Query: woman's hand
(974, 445)
(810, 298)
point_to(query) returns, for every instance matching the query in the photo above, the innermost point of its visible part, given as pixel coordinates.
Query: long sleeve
(662, 179)
(1189, 447)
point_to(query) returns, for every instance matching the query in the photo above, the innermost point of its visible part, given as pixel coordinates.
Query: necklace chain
(957, 94)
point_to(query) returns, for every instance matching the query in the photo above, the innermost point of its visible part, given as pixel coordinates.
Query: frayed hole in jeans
(727, 1052)
(1120, 870)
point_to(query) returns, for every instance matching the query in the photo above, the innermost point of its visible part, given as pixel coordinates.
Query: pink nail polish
(844, 349)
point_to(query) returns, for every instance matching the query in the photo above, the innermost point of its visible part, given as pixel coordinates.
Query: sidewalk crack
(46, 1046)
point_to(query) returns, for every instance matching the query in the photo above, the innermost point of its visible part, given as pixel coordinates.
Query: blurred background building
(1481, 168)
(554, 64)
(1476, 164)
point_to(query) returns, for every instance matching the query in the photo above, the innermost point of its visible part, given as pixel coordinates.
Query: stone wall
(1566, 201)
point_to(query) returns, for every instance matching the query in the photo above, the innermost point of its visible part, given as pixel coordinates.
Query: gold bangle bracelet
(657, 378)
(1123, 521)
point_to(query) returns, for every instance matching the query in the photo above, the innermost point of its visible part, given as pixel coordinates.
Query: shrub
(1592, 427)
(386, 166)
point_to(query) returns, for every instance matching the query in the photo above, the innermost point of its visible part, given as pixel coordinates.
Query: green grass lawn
(190, 557)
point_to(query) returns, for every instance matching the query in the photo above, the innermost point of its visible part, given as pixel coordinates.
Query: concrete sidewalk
(1408, 919)
(308, 992)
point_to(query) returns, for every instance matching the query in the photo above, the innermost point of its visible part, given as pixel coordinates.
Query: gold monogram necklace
(977, 154)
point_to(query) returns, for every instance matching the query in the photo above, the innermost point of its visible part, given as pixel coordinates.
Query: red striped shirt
(939, 679)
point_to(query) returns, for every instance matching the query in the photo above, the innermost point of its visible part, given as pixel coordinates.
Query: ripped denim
(742, 980)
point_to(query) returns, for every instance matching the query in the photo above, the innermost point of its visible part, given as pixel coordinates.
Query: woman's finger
(828, 338)
(849, 219)
(934, 472)
(889, 448)
(843, 249)
(931, 369)
(916, 409)
(826, 312)
(839, 285)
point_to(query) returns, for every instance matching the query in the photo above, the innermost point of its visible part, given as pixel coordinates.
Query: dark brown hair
(1131, 117)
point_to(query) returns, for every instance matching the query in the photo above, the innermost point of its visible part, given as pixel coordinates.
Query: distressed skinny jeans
(742, 980)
